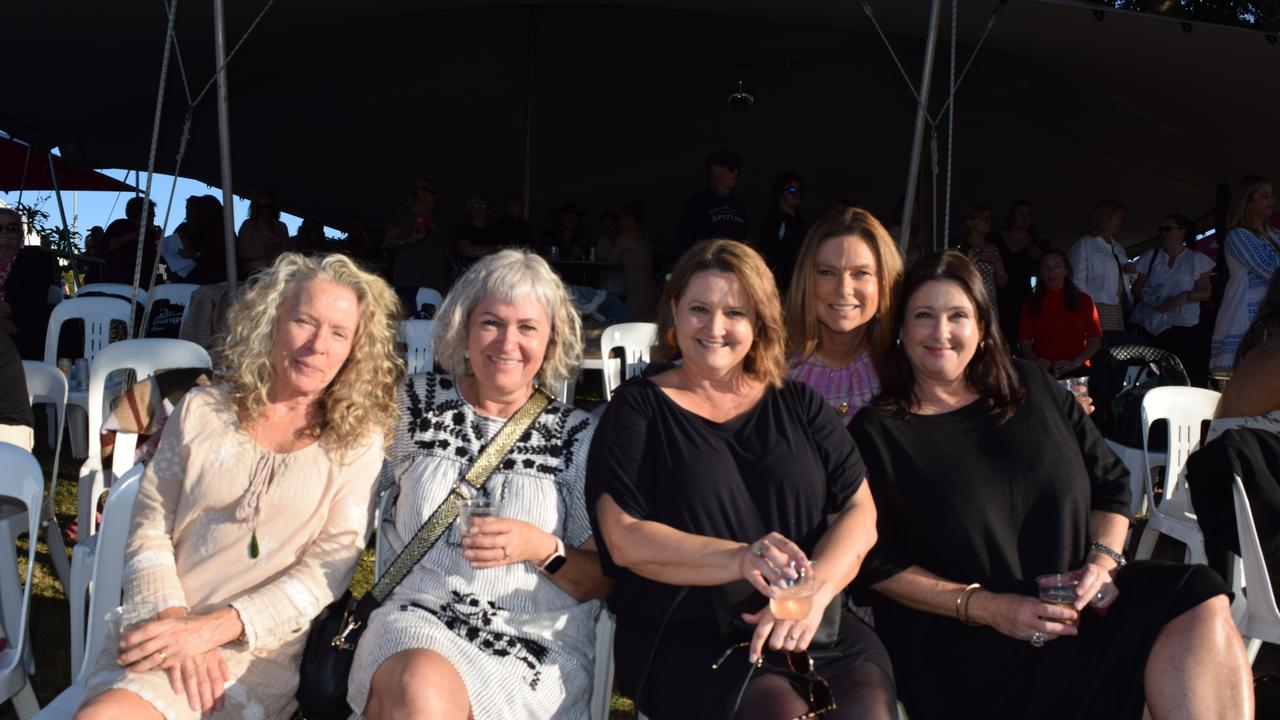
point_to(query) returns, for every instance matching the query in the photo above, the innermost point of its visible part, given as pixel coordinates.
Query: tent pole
(62, 212)
(528, 108)
(917, 138)
(224, 144)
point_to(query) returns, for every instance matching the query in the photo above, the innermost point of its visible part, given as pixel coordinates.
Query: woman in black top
(987, 475)
(1020, 249)
(719, 470)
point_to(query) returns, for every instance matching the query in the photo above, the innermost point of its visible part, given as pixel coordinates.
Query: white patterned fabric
(1251, 259)
(1164, 283)
(186, 548)
(1269, 423)
(523, 647)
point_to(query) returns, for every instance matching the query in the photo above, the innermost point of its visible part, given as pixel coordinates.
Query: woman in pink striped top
(837, 308)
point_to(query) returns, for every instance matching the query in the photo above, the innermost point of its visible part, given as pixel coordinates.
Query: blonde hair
(361, 399)
(1238, 210)
(766, 360)
(801, 308)
(508, 275)
(1102, 215)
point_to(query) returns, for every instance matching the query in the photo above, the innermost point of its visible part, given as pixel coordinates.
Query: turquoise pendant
(253, 545)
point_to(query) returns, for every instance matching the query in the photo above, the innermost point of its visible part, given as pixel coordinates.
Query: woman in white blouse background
(1172, 281)
(1099, 264)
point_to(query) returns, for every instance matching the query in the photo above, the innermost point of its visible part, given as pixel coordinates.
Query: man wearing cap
(713, 212)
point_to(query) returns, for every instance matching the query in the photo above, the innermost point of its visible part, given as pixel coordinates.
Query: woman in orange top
(1059, 329)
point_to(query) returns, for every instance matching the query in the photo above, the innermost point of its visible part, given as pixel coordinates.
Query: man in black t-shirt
(713, 212)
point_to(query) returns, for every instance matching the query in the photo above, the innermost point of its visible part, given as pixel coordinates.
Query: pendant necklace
(260, 480)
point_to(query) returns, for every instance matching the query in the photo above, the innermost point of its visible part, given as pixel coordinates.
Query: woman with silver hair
(252, 514)
(496, 620)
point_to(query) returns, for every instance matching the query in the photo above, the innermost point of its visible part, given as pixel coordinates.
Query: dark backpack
(1120, 377)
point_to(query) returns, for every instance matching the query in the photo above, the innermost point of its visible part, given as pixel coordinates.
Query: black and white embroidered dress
(523, 647)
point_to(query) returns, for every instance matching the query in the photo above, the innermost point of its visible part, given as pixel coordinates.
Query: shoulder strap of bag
(445, 513)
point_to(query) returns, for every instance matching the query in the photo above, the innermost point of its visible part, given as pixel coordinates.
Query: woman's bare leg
(1198, 668)
(117, 703)
(417, 684)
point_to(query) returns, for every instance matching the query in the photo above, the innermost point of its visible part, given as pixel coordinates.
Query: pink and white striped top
(847, 389)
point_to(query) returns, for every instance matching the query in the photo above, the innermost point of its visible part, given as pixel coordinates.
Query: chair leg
(58, 554)
(1252, 647)
(81, 569)
(1147, 544)
(78, 426)
(24, 702)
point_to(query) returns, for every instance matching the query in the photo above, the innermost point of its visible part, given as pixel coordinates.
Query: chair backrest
(47, 384)
(108, 563)
(144, 357)
(175, 293)
(427, 296)
(417, 337)
(118, 289)
(1185, 409)
(1121, 368)
(636, 340)
(602, 680)
(97, 314)
(1261, 600)
(21, 481)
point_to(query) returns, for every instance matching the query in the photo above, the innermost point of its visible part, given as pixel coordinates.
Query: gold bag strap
(488, 460)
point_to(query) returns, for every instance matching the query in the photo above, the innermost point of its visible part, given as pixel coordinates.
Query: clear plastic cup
(478, 507)
(1079, 386)
(793, 599)
(122, 620)
(1059, 589)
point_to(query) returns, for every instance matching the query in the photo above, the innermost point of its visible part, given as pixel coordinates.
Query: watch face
(553, 565)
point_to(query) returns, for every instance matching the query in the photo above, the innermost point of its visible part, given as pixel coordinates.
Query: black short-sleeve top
(975, 500)
(783, 466)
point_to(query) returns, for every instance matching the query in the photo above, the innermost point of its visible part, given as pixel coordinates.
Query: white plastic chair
(108, 581)
(145, 357)
(636, 340)
(1135, 462)
(1262, 619)
(47, 384)
(176, 293)
(21, 483)
(118, 289)
(1185, 409)
(419, 356)
(427, 296)
(602, 678)
(97, 314)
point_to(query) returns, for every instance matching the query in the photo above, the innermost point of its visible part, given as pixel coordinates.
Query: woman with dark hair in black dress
(986, 475)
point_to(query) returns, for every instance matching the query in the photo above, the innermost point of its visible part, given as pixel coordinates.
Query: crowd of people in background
(821, 408)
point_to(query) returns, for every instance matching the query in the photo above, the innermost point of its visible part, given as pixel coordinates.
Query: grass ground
(50, 625)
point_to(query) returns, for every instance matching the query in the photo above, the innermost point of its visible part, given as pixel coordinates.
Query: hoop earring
(671, 337)
(898, 341)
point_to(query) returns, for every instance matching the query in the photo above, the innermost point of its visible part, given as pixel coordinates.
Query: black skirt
(681, 682)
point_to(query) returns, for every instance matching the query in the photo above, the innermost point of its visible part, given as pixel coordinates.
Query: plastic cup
(122, 620)
(478, 507)
(1079, 386)
(793, 599)
(1059, 589)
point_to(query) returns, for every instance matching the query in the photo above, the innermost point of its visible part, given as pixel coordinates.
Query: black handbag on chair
(331, 642)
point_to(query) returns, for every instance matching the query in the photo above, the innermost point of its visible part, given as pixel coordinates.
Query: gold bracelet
(962, 602)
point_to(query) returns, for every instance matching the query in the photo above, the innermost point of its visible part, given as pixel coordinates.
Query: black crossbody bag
(334, 634)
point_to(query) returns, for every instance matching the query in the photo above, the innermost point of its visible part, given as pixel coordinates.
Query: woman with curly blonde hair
(497, 622)
(253, 513)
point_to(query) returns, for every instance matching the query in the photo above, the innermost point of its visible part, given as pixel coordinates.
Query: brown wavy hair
(990, 373)
(766, 360)
(362, 397)
(801, 315)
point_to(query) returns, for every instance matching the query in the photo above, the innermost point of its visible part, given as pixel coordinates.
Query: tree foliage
(1254, 14)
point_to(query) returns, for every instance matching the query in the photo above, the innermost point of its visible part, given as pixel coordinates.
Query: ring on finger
(759, 550)
(1099, 596)
(793, 637)
(505, 554)
(1037, 639)
(162, 655)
